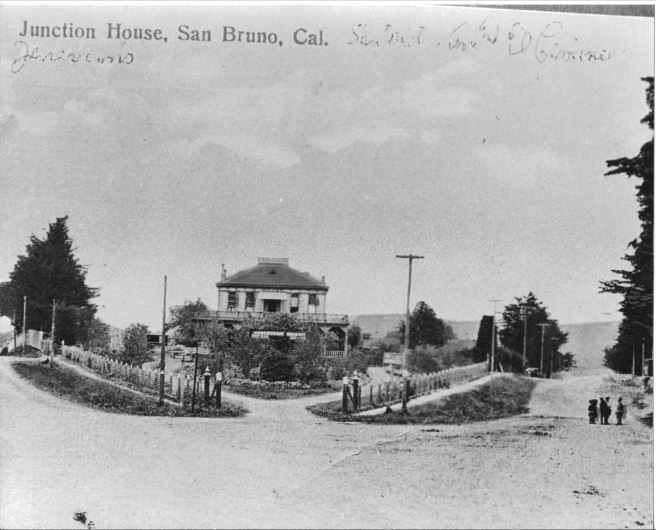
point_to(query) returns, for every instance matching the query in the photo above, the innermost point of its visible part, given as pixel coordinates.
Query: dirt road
(280, 466)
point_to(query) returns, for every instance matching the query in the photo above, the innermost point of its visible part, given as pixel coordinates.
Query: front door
(271, 306)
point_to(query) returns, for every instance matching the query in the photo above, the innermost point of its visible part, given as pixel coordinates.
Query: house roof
(273, 274)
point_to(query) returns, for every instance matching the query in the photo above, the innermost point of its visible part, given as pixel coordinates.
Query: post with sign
(356, 391)
(217, 389)
(405, 384)
(345, 383)
(207, 376)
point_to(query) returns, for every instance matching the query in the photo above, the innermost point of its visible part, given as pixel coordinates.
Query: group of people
(603, 411)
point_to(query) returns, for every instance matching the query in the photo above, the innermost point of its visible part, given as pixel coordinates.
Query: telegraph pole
(14, 324)
(162, 361)
(542, 325)
(406, 346)
(494, 334)
(24, 323)
(52, 335)
(524, 314)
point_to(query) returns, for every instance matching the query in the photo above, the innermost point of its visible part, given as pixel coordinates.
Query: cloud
(519, 166)
(338, 140)
(248, 147)
(424, 97)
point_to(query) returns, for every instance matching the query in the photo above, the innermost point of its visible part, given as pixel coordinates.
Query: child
(592, 410)
(608, 410)
(602, 411)
(620, 412)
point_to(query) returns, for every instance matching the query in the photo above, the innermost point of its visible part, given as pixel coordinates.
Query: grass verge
(502, 397)
(68, 384)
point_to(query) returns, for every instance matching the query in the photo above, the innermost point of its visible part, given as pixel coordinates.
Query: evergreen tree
(636, 284)
(512, 334)
(425, 327)
(483, 346)
(50, 271)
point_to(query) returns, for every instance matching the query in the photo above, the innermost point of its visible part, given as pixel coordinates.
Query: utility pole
(52, 335)
(523, 311)
(633, 364)
(494, 333)
(406, 346)
(193, 389)
(542, 325)
(162, 361)
(24, 323)
(14, 324)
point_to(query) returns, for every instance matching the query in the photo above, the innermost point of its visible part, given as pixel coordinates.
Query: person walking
(620, 411)
(592, 411)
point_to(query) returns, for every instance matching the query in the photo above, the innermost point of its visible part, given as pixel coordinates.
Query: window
(233, 300)
(250, 300)
(313, 299)
(293, 304)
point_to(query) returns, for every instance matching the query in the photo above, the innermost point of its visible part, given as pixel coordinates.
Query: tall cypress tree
(636, 284)
(50, 271)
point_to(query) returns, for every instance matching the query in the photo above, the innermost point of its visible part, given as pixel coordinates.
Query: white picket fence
(421, 384)
(177, 387)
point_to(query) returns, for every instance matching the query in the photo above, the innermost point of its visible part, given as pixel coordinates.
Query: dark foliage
(277, 367)
(185, 324)
(481, 351)
(636, 283)
(135, 345)
(420, 361)
(512, 335)
(49, 271)
(425, 327)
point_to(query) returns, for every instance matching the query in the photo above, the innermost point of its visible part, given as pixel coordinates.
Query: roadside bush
(357, 360)
(277, 367)
(422, 360)
(510, 360)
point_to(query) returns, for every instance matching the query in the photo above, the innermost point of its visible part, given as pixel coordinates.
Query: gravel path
(280, 466)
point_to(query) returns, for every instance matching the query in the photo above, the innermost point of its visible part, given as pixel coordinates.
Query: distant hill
(380, 325)
(586, 341)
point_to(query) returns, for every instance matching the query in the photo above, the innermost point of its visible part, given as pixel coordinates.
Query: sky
(460, 134)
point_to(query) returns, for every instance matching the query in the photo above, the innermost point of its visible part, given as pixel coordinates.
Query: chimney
(323, 280)
(224, 273)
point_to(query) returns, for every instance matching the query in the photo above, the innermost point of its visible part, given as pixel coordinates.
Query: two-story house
(272, 286)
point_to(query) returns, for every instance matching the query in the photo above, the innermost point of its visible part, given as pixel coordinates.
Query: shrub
(510, 360)
(356, 360)
(422, 360)
(277, 367)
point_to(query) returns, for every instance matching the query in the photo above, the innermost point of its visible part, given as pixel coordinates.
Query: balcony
(239, 316)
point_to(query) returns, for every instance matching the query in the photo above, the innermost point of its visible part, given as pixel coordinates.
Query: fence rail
(177, 387)
(390, 392)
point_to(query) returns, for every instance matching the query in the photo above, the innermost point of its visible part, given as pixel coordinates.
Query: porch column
(346, 342)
